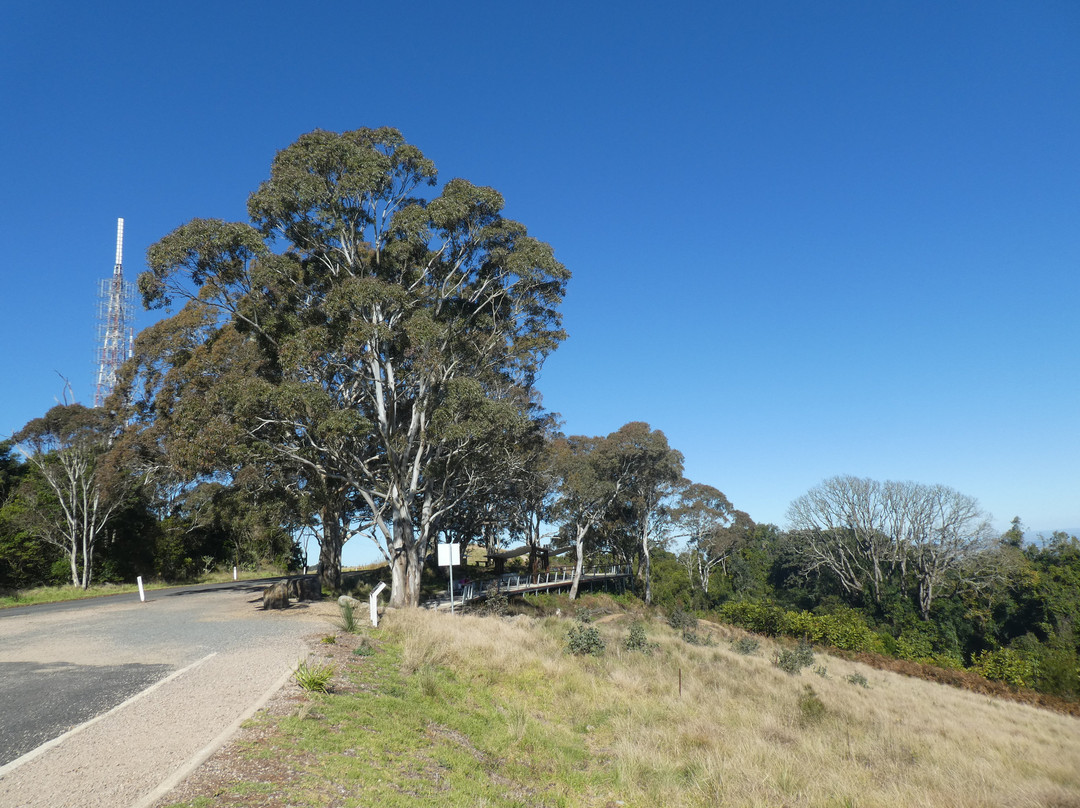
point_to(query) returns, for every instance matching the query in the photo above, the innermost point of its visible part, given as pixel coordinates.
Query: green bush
(693, 638)
(584, 639)
(757, 617)
(1005, 665)
(745, 645)
(637, 641)
(1058, 672)
(793, 660)
(680, 620)
(858, 680)
(845, 629)
(914, 646)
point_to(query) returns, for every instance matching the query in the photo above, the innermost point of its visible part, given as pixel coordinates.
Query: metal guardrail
(513, 582)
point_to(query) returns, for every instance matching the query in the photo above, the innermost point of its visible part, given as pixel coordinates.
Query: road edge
(9, 767)
(204, 754)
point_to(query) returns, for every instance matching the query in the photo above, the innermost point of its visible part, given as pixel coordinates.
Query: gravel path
(214, 658)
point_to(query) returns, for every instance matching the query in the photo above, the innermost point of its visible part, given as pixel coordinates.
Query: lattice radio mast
(116, 305)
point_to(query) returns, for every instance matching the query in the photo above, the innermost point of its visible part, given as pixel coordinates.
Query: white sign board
(449, 554)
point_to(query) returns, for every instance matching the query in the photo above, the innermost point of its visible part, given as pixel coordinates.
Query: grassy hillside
(492, 711)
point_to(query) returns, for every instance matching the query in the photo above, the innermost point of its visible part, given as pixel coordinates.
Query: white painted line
(200, 757)
(45, 747)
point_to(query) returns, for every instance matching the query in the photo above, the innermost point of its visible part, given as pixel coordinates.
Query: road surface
(158, 682)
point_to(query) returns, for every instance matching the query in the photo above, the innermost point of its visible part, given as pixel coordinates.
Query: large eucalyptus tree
(396, 331)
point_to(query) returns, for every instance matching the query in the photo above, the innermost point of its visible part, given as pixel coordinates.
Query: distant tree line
(358, 362)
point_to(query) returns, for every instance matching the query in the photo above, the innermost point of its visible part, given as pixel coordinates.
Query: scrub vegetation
(470, 710)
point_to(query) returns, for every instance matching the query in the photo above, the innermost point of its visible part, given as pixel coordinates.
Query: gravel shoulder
(227, 657)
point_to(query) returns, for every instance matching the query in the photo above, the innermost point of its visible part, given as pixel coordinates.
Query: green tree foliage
(393, 337)
(654, 474)
(712, 529)
(24, 560)
(86, 482)
(620, 479)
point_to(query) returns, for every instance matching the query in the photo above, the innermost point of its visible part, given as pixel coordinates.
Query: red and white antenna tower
(116, 303)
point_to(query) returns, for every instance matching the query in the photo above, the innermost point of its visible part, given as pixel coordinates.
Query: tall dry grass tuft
(743, 732)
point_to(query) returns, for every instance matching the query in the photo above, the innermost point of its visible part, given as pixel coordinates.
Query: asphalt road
(63, 664)
(133, 597)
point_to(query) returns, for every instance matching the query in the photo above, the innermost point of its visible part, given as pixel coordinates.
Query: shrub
(1059, 673)
(845, 629)
(314, 677)
(637, 640)
(745, 645)
(496, 605)
(757, 617)
(584, 639)
(915, 646)
(858, 680)
(693, 638)
(1005, 665)
(585, 615)
(329, 639)
(685, 621)
(793, 660)
(811, 708)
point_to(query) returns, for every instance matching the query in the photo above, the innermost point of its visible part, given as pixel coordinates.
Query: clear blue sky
(808, 238)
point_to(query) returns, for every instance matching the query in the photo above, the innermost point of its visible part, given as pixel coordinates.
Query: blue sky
(807, 238)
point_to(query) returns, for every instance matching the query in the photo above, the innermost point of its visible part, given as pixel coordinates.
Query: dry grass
(737, 734)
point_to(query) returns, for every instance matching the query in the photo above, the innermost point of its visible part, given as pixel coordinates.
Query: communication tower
(116, 305)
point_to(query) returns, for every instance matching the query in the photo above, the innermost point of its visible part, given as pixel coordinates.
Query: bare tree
(839, 526)
(68, 447)
(955, 530)
(862, 532)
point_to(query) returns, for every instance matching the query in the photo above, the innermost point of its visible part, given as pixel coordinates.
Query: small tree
(69, 447)
(653, 472)
(626, 474)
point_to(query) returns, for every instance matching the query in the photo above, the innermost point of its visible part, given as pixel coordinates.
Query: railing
(514, 582)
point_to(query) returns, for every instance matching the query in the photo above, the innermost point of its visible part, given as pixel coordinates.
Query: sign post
(373, 600)
(449, 555)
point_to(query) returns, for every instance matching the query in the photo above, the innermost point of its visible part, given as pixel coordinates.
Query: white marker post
(234, 573)
(449, 555)
(374, 601)
(142, 595)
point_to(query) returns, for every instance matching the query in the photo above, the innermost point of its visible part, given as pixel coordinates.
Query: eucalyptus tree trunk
(333, 539)
(579, 564)
(406, 560)
(647, 563)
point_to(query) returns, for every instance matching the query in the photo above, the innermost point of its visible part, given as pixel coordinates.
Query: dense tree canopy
(394, 333)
